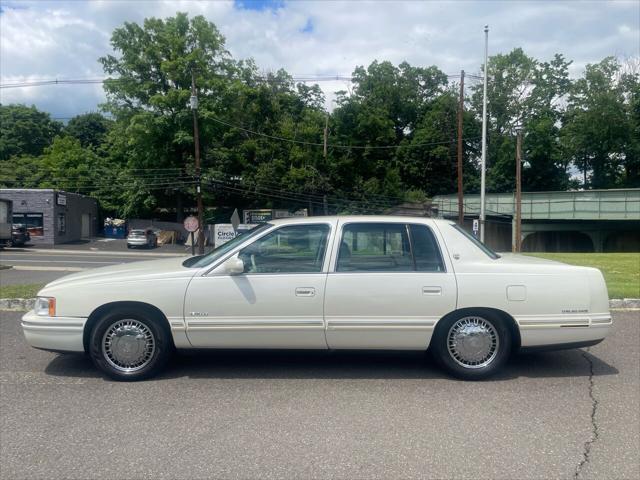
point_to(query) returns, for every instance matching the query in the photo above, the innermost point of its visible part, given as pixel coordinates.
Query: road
(323, 415)
(40, 266)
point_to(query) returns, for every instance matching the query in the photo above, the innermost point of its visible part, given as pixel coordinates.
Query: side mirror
(234, 266)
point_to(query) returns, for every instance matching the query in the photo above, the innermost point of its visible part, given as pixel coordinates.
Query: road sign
(235, 219)
(190, 224)
(476, 227)
(257, 216)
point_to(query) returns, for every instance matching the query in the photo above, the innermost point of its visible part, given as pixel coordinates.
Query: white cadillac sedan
(361, 282)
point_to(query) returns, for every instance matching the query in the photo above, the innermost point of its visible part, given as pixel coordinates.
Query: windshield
(209, 258)
(476, 242)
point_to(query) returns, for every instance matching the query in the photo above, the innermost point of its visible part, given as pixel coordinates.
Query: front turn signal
(45, 306)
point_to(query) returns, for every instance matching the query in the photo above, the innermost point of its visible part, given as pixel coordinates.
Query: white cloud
(42, 40)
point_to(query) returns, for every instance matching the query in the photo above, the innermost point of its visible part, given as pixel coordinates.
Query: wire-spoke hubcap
(473, 342)
(128, 345)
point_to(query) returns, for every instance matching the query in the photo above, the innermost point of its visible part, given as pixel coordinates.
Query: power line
(321, 144)
(263, 78)
(363, 205)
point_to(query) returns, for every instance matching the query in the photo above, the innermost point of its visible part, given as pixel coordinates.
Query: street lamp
(483, 164)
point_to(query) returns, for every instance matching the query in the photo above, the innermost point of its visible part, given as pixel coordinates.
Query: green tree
(25, 130)
(89, 128)
(598, 129)
(433, 167)
(387, 108)
(150, 96)
(524, 93)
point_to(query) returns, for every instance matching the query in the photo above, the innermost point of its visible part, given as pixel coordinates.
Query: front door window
(291, 249)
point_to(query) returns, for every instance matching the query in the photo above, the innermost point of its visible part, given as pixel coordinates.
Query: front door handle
(305, 292)
(432, 290)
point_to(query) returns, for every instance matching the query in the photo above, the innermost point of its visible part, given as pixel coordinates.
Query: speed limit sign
(191, 224)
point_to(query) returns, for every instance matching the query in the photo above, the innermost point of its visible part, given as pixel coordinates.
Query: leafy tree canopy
(25, 130)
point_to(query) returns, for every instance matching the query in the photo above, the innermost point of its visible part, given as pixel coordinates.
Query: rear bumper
(560, 346)
(64, 334)
(556, 332)
(137, 241)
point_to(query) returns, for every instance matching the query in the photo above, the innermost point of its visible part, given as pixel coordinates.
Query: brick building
(53, 216)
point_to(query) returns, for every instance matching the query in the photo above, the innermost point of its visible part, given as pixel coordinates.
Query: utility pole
(460, 116)
(326, 138)
(483, 166)
(326, 135)
(193, 101)
(517, 245)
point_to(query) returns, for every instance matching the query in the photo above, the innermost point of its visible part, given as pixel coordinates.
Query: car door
(388, 286)
(277, 302)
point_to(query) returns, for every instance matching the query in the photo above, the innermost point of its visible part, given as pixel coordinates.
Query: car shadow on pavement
(294, 364)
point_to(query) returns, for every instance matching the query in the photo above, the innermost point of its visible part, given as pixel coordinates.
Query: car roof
(357, 218)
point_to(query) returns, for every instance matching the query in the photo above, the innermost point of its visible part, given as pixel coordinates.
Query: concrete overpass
(580, 221)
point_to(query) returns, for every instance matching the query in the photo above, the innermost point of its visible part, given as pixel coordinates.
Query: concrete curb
(17, 304)
(20, 304)
(624, 303)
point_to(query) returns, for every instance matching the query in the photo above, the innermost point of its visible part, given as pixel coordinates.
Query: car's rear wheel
(130, 345)
(473, 345)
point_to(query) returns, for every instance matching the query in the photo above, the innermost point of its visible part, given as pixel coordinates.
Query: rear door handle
(432, 290)
(305, 292)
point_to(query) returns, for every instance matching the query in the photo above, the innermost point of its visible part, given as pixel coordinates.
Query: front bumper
(64, 334)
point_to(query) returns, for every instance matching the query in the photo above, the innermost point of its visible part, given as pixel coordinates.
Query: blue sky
(259, 5)
(63, 39)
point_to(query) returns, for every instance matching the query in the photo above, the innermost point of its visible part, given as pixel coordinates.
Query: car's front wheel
(472, 346)
(130, 345)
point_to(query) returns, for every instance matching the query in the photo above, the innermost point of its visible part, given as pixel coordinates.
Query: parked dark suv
(19, 235)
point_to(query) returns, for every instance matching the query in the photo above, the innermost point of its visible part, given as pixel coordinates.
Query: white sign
(191, 224)
(62, 199)
(223, 232)
(476, 227)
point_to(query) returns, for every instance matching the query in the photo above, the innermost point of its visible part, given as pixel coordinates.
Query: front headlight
(45, 306)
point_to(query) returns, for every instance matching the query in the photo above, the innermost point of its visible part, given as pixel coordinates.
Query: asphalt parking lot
(571, 414)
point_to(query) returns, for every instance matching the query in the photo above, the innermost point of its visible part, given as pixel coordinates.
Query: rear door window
(425, 249)
(375, 247)
(388, 247)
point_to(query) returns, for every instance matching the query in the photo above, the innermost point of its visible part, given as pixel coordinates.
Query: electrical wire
(329, 145)
(264, 78)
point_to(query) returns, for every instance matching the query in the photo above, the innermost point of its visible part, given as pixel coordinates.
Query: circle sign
(191, 224)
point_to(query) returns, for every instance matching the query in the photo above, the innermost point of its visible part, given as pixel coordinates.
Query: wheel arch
(125, 305)
(508, 320)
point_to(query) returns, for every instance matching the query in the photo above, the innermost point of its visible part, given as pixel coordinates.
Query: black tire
(478, 369)
(142, 321)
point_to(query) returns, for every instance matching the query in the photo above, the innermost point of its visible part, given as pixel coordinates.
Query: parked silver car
(142, 238)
